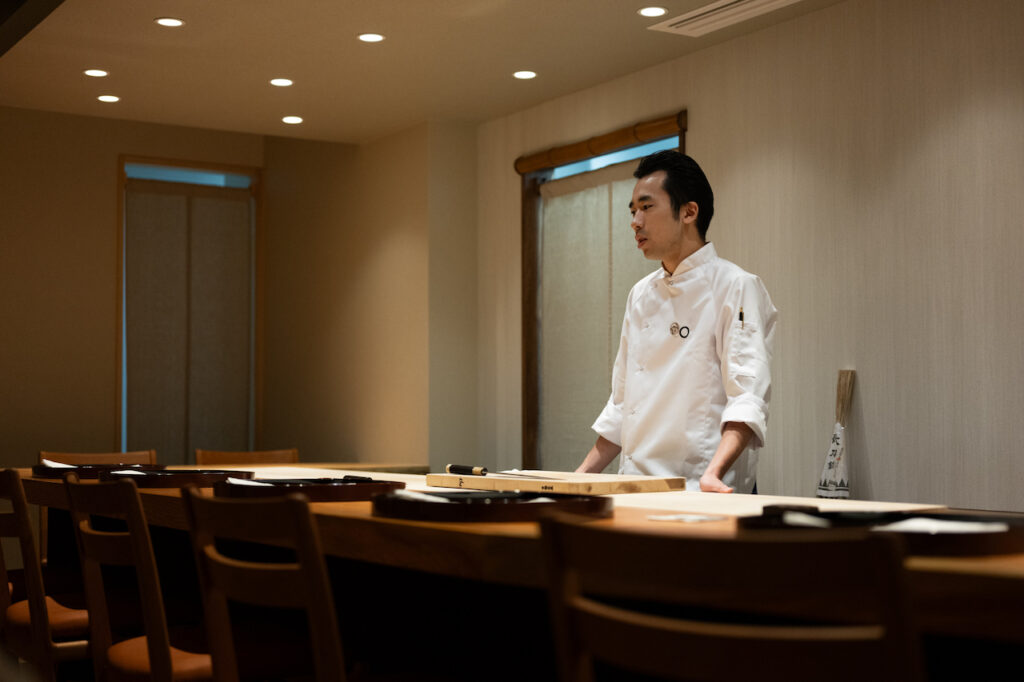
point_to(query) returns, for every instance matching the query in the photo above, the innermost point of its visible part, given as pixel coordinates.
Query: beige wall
(453, 294)
(58, 270)
(867, 161)
(346, 334)
(370, 304)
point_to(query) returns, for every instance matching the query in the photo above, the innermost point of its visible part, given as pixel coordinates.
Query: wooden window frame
(536, 169)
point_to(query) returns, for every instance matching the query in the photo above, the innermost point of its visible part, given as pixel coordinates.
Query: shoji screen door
(188, 297)
(589, 262)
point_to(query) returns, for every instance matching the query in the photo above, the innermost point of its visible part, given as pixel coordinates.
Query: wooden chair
(298, 583)
(152, 656)
(207, 457)
(81, 458)
(765, 607)
(42, 629)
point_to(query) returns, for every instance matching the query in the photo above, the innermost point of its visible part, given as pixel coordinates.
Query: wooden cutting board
(568, 483)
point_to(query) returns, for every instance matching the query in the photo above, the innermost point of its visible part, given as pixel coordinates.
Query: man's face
(658, 234)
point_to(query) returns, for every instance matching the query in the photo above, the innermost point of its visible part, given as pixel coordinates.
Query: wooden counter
(979, 596)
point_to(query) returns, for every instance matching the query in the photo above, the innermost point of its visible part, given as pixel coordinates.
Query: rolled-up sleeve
(609, 422)
(748, 338)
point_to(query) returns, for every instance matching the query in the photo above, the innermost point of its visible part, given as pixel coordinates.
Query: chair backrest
(15, 524)
(772, 606)
(134, 457)
(288, 456)
(299, 584)
(132, 547)
(81, 458)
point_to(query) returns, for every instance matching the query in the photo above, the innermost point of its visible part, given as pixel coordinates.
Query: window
(597, 162)
(188, 309)
(577, 269)
(191, 176)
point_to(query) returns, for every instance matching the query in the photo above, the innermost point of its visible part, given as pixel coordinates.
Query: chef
(692, 378)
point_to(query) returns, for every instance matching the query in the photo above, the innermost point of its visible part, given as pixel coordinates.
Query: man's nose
(636, 222)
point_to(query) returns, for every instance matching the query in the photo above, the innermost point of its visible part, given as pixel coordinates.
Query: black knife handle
(465, 470)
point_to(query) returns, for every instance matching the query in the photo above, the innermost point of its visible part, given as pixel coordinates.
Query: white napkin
(246, 481)
(419, 497)
(686, 518)
(932, 526)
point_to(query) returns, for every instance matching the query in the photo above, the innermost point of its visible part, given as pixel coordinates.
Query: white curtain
(589, 261)
(188, 318)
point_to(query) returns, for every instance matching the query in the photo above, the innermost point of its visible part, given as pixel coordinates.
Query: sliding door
(188, 297)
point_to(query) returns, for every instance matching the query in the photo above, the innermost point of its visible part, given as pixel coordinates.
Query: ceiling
(449, 60)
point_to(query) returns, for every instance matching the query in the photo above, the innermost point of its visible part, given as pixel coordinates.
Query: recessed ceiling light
(371, 37)
(652, 12)
(281, 82)
(524, 75)
(170, 22)
(95, 73)
(108, 98)
(292, 120)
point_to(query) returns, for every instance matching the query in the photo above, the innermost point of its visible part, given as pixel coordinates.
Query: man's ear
(688, 212)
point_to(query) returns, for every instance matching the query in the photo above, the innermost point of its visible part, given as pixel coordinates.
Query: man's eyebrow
(641, 199)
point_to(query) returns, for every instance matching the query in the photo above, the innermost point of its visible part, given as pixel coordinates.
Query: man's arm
(735, 436)
(603, 452)
(746, 353)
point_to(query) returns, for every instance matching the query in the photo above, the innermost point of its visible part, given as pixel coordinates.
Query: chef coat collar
(704, 254)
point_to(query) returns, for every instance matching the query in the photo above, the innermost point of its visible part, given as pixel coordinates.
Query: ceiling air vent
(718, 15)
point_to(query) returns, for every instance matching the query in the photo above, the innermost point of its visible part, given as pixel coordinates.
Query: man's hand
(735, 436)
(713, 484)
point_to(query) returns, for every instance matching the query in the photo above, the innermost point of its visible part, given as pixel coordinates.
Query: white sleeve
(609, 422)
(748, 332)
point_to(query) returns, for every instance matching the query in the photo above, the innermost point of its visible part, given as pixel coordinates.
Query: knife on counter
(469, 470)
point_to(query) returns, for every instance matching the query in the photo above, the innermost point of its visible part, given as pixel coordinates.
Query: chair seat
(128, 661)
(69, 621)
(57, 629)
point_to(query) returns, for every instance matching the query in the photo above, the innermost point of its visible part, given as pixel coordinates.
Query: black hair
(684, 182)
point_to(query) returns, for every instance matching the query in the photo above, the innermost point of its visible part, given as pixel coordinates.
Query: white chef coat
(688, 362)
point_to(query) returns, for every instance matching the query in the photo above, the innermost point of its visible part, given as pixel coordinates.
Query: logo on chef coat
(676, 330)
